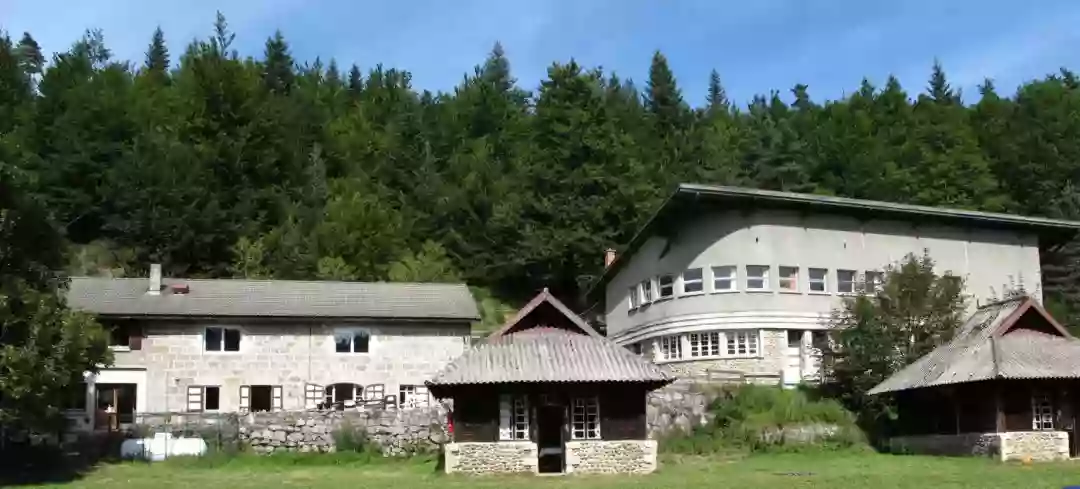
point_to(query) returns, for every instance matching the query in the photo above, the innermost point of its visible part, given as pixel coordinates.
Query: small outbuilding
(548, 394)
(1007, 385)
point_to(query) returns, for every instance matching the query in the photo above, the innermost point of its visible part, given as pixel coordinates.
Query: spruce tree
(278, 74)
(157, 58)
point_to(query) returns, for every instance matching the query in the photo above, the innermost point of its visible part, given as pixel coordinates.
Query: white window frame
(811, 281)
(698, 282)
(874, 281)
(853, 283)
(352, 332)
(666, 281)
(196, 398)
(1042, 412)
(413, 396)
(732, 279)
(706, 344)
(750, 343)
(635, 297)
(793, 280)
(513, 418)
(646, 287)
(221, 344)
(277, 397)
(585, 418)
(765, 278)
(670, 347)
(313, 395)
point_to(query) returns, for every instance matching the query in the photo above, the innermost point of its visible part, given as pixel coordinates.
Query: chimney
(609, 257)
(154, 287)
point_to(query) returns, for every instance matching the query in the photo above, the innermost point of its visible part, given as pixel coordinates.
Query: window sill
(731, 291)
(120, 348)
(814, 292)
(664, 299)
(791, 292)
(214, 352)
(352, 352)
(698, 359)
(759, 291)
(691, 294)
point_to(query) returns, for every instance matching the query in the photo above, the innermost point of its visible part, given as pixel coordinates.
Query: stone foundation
(491, 458)
(1014, 445)
(611, 457)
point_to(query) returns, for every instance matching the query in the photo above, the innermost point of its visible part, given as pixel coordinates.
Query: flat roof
(691, 195)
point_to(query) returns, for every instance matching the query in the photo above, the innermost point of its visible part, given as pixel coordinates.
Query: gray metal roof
(549, 355)
(689, 199)
(988, 347)
(273, 299)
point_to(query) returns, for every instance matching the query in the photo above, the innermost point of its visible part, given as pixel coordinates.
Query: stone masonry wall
(988, 444)
(680, 406)
(491, 458)
(289, 355)
(1035, 445)
(611, 457)
(765, 368)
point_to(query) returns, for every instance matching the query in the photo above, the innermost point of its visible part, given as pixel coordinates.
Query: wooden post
(999, 409)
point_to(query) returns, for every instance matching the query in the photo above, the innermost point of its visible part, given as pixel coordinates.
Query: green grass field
(832, 470)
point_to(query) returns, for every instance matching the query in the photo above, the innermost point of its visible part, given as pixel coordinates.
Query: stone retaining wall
(1014, 445)
(680, 406)
(1035, 445)
(491, 458)
(611, 457)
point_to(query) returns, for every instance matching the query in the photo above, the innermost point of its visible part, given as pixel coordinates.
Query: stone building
(187, 345)
(548, 394)
(740, 282)
(1006, 385)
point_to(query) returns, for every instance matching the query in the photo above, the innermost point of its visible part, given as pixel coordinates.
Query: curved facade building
(737, 282)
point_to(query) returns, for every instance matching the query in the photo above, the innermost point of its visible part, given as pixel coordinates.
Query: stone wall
(394, 431)
(1035, 445)
(611, 457)
(986, 444)
(679, 406)
(491, 458)
(286, 355)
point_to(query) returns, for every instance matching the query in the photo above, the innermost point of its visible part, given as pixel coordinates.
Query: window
(256, 398)
(352, 341)
(1042, 412)
(666, 286)
(789, 279)
(723, 278)
(757, 277)
(693, 281)
(119, 334)
(671, 347)
(513, 418)
(413, 396)
(585, 419)
(222, 339)
(742, 343)
(342, 395)
(646, 291)
(874, 281)
(203, 398)
(818, 281)
(313, 396)
(635, 298)
(845, 281)
(705, 344)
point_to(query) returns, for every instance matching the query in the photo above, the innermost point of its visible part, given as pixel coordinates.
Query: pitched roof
(525, 350)
(690, 199)
(990, 346)
(273, 299)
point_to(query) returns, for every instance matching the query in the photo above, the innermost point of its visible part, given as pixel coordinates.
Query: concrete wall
(491, 458)
(989, 259)
(611, 457)
(1016, 445)
(289, 355)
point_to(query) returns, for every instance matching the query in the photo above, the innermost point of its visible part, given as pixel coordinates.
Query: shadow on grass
(25, 464)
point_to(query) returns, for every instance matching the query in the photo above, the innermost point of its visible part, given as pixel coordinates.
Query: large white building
(731, 281)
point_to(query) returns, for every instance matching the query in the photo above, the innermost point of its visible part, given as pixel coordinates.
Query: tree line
(218, 165)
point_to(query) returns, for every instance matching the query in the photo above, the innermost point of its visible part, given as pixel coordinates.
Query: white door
(793, 358)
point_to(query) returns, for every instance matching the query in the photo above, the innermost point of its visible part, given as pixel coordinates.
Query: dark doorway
(550, 432)
(262, 398)
(115, 405)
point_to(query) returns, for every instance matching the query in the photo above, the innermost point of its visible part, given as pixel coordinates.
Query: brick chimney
(154, 286)
(609, 257)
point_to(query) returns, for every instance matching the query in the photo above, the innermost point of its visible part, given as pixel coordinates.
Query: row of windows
(514, 418)
(756, 278)
(207, 398)
(708, 344)
(228, 339)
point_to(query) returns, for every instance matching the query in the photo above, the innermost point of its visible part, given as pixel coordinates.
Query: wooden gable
(546, 311)
(1031, 316)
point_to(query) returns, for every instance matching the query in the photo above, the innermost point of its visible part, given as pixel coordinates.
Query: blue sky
(757, 46)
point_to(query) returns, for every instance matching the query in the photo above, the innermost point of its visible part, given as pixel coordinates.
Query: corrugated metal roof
(274, 298)
(549, 355)
(984, 348)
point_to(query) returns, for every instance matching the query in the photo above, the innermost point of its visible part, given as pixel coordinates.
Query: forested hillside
(217, 165)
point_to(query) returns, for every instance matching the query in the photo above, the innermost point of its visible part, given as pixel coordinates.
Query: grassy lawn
(846, 470)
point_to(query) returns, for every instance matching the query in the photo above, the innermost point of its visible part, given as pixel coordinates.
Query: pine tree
(31, 59)
(356, 81)
(278, 74)
(157, 58)
(716, 100)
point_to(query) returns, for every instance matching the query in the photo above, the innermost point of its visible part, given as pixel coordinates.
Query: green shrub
(760, 418)
(350, 438)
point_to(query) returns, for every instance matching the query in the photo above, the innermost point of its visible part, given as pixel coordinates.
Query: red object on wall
(450, 423)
